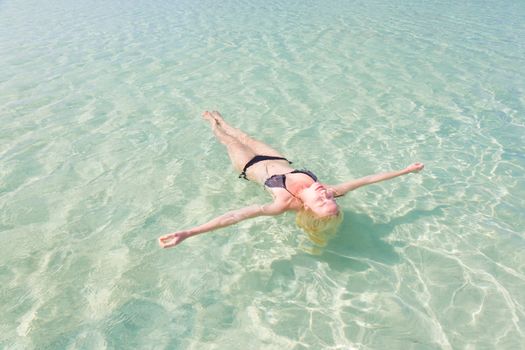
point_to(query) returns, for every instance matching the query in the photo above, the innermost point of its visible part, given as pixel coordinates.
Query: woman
(298, 190)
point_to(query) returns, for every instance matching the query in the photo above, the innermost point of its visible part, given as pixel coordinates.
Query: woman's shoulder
(276, 207)
(288, 202)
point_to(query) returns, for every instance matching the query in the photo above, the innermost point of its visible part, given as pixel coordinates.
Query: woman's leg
(239, 153)
(257, 147)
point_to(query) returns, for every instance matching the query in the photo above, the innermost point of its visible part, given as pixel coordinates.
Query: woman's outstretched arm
(227, 219)
(351, 185)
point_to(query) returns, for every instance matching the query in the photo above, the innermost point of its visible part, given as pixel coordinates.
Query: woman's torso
(293, 182)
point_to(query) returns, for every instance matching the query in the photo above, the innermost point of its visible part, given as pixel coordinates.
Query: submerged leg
(239, 153)
(256, 146)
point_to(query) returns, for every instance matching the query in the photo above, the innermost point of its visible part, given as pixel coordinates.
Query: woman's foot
(234, 132)
(209, 117)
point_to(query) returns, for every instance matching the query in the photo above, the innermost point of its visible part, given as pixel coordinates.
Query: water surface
(103, 150)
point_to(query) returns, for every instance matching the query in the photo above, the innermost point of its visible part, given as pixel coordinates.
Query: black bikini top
(279, 180)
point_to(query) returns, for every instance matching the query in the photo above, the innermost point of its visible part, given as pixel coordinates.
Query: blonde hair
(319, 230)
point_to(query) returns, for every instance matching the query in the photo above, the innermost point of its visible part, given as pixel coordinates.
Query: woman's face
(320, 199)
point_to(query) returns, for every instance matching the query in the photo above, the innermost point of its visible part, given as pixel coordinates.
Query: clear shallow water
(103, 150)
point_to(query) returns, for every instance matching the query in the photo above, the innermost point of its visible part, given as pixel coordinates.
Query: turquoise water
(103, 150)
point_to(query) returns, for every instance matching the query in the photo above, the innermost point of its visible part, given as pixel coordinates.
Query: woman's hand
(172, 239)
(415, 168)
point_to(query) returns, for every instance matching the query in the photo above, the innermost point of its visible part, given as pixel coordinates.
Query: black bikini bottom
(258, 159)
